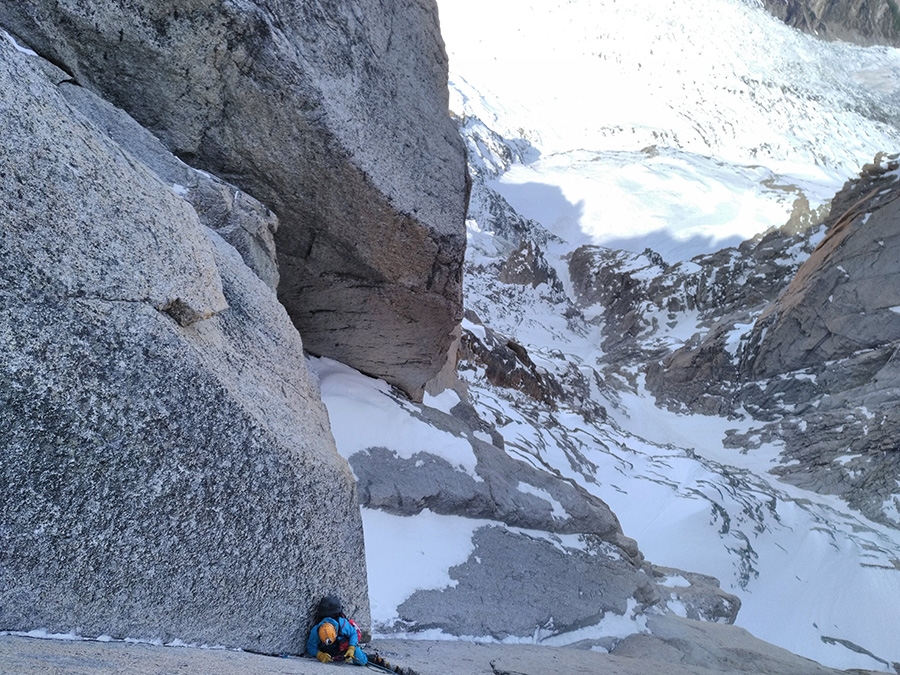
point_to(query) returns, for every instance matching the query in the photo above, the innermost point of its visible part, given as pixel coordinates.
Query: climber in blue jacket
(335, 639)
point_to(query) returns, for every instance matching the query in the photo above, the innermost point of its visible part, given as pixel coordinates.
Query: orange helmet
(327, 633)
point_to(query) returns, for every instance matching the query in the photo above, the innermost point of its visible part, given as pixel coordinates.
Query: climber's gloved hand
(323, 657)
(350, 654)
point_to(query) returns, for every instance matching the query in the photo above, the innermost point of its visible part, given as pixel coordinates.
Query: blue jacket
(347, 637)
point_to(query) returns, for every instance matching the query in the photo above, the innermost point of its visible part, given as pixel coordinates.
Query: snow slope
(808, 573)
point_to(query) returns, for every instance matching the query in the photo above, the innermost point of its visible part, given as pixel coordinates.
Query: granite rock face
(333, 115)
(682, 648)
(164, 451)
(241, 220)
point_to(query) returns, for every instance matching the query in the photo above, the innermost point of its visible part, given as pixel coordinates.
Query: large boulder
(679, 642)
(165, 458)
(334, 114)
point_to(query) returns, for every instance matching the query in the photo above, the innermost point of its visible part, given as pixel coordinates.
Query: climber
(334, 637)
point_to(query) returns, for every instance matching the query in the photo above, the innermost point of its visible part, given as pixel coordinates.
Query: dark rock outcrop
(505, 490)
(527, 265)
(612, 280)
(865, 22)
(637, 299)
(506, 364)
(164, 451)
(828, 348)
(845, 299)
(700, 595)
(333, 115)
(525, 586)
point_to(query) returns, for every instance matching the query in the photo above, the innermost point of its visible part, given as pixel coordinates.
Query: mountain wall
(827, 345)
(165, 456)
(864, 22)
(334, 115)
(167, 467)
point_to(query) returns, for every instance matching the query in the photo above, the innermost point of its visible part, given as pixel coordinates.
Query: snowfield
(744, 113)
(681, 128)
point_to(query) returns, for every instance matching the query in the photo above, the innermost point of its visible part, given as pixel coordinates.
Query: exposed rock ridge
(333, 115)
(865, 22)
(842, 298)
(827, 347)
(636, 299)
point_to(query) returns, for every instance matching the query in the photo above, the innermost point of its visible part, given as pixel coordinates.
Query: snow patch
(557, 509)
(474, 328)
(445, 401)
(483, 436)
(676, 581)
(844, 459)
(364, 414)
(891, 509)
(407, 554)
(44, 634)
(19, 48)
(735, 336)
(611, 625)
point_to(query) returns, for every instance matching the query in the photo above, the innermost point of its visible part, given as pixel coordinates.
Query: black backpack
(329, 607)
